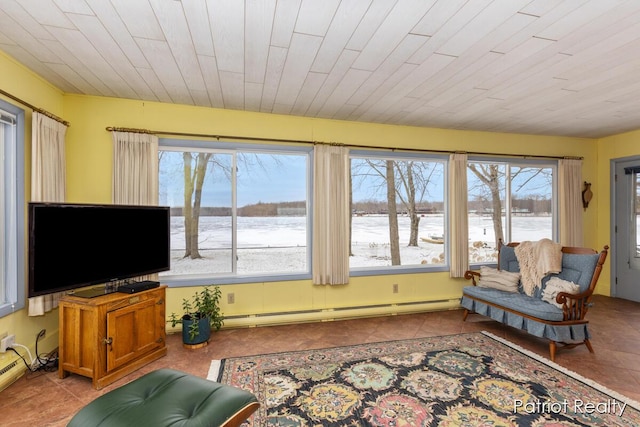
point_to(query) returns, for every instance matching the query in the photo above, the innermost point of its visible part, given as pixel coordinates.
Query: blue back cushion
(508, 259)
(576, 268)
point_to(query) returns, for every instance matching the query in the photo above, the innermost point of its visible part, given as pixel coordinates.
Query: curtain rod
(36, 109)
(299, 141)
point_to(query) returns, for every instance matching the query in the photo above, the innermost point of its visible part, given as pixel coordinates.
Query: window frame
(231, 147)
(12, 275)
(386, 154)
(510, 162)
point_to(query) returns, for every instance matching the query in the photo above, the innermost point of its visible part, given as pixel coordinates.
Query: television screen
(77, 245)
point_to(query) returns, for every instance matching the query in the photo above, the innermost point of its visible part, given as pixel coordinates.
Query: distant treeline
(258, 209)
(370, 207)
(374, 207)
(533, 205)
(528, 205)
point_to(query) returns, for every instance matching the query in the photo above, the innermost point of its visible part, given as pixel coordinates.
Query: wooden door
(626, 229)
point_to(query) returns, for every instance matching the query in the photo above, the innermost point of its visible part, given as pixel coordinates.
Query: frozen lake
(277, 244)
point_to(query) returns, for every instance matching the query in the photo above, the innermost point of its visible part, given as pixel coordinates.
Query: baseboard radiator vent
(339, 313)
(11, 369)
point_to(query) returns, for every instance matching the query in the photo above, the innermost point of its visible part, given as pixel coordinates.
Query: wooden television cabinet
(110, 336)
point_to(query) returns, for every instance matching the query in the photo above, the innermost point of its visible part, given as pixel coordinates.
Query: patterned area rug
(458, 380)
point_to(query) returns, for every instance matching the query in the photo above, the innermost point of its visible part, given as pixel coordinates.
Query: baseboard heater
(11, 369)
(339, 313)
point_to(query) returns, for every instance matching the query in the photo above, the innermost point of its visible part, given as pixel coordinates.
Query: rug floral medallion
(458, 380)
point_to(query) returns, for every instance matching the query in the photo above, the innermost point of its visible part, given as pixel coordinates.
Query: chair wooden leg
(241, 416)
(464, 316)
(552, 350)
(588, 344)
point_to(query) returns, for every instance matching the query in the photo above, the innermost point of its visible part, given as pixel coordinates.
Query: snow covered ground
(277, 244)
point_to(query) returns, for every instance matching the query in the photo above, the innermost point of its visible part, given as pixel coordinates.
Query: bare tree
(414, 177)
(408, 182)
(195, 169)
(490, 176)
(394, 236)
(522, 178)
(385, 170)
(405, 171)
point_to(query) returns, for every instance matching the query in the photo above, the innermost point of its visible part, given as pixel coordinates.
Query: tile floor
(46, 400)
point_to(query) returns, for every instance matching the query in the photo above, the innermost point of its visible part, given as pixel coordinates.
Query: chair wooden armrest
(472, 275)
(574, 306)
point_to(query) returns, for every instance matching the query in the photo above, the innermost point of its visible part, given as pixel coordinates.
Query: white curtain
(570, 192)
(47, 181)
(135, 172)
(331, 212)
(458, 216)
(135, 168)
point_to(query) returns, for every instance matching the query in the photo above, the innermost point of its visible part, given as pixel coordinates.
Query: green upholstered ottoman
(168, 398)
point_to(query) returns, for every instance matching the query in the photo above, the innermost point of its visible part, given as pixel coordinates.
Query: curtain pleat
(135, 168)
(135, 172)
(331, 211)
(458, 216)
(570, 195)
(48, 182)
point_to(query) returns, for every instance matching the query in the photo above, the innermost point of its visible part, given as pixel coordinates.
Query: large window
(510, 201)
(242, 211)
(398, 212)
(11, 209)
(237, 210)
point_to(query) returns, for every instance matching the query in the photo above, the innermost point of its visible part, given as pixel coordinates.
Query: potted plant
(201, 313)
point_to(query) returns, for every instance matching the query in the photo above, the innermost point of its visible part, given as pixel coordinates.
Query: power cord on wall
(28, 365)
(46, 363)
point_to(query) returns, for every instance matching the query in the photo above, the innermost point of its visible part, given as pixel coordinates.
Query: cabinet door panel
(133, 331)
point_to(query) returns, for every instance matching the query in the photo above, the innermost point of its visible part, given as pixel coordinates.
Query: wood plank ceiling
(527, 66)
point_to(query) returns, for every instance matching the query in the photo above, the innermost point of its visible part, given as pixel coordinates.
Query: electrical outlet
(7, 342)
(395, 288)
(231, 298)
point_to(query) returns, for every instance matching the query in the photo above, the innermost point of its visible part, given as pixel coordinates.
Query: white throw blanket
(537, 259)
(556, 285)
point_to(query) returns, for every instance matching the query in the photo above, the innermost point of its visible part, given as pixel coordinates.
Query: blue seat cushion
(516, 301)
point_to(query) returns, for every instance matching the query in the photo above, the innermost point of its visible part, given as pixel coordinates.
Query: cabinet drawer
(126, 300)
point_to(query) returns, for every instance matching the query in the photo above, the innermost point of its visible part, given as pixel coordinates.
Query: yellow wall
(89, 158)
(89, 180)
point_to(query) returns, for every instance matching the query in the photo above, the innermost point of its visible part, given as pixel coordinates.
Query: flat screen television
(78, 245)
